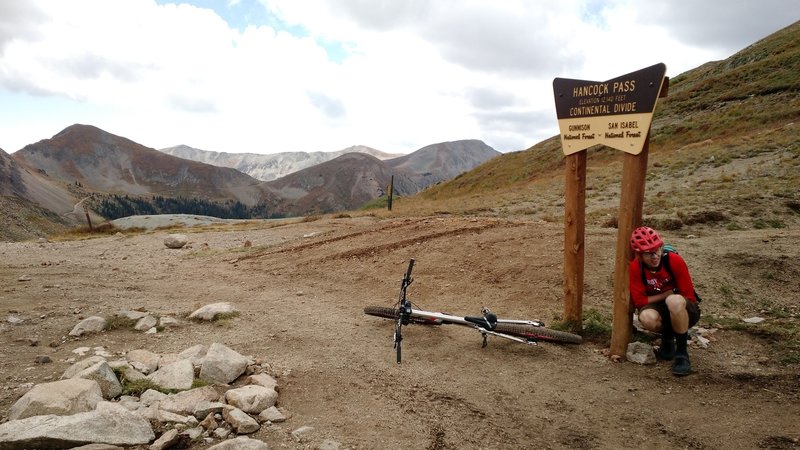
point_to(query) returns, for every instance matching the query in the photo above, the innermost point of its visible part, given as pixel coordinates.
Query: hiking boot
(681, 366)
(667, 350)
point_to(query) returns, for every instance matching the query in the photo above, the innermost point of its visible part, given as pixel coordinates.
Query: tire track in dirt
(385, 248)
(316, 244)
(355, 250)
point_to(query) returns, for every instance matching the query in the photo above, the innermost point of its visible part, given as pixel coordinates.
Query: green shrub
(119, 322)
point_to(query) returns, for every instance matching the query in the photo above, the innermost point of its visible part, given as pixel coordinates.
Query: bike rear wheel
(538, 333)
(394, 314)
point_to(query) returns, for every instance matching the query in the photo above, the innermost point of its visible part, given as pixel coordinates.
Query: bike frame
(485, 324)
(458, 320)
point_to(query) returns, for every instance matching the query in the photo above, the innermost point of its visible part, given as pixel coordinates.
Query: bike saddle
(488, 321)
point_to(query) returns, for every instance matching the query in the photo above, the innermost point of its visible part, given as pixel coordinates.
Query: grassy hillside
(725, 150)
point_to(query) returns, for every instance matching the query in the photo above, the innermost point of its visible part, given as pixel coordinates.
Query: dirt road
(302, 287)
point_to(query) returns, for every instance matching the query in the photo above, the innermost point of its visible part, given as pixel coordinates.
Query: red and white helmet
(645, 239)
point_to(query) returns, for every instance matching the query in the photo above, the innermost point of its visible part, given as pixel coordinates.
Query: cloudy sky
(267, 76)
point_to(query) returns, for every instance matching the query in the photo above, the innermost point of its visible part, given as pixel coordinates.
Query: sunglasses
(652, 254)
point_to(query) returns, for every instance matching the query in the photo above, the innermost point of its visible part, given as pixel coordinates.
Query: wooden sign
(616, 113)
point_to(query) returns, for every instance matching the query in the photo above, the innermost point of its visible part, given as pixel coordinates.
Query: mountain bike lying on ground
(522, 331)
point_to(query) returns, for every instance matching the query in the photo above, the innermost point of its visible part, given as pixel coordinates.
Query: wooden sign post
(616, 113)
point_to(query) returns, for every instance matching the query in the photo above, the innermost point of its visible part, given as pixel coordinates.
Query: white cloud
(323, 75)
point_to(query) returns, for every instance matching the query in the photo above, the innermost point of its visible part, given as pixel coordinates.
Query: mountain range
(119, 176)
(272, 166)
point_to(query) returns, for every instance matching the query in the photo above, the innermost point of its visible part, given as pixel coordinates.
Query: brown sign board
(616, 113)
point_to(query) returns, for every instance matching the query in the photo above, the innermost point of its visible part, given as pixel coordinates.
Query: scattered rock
(209, 423)
(81, 365)
(185, 402)
(98, 447)
(272, 415)
(104, 376)
(754, 320)
(640, 353)
(15, 320)
(145, 323)
(131, 315)
(109, 423)
(205, 409)
(239, 420)
(152, 397)
(165, 321)
(209, 312)
(43, 359)
(252, 398)
(93, 324)
(24, 278)
(144, 361)
(178, 375)
(329, 444)
(176, 241)
(195, 354)
(167, 440)
(62, 409)
(302, 433)
(240, 443)
(33, 342)
(62, 398)
(222, 365)
(262, 379)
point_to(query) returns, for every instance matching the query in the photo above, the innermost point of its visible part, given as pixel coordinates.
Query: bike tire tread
(539, 333)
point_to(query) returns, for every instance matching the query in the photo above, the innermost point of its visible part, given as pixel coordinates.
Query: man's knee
(650, 319)
(676, 303)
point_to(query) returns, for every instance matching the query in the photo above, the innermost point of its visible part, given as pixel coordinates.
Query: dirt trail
(302, 288)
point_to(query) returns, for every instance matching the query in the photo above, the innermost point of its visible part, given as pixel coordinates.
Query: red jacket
(660, 281)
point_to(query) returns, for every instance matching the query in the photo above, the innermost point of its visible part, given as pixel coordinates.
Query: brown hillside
(103, 162)
(344, 183)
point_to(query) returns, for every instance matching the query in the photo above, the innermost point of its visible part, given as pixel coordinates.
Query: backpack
(665, 262)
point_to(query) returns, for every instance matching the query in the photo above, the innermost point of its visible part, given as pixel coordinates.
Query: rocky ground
(301, 288)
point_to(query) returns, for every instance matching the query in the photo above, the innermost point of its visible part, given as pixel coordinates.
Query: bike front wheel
(394, 314)
(538, 333)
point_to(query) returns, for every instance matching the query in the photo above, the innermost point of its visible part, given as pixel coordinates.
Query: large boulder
(144, 361)
(105, 377)
(252, 398)
(110, 423)
(263, 379)
(80, 366)
(222, 365)
(185, 402)
(240, 421)
(62, 398)
(178, 375)
(195, 354)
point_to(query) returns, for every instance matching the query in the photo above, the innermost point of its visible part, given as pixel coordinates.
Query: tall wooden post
(391, 192)
(88, 219)
(634, 172)
(574, 228)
